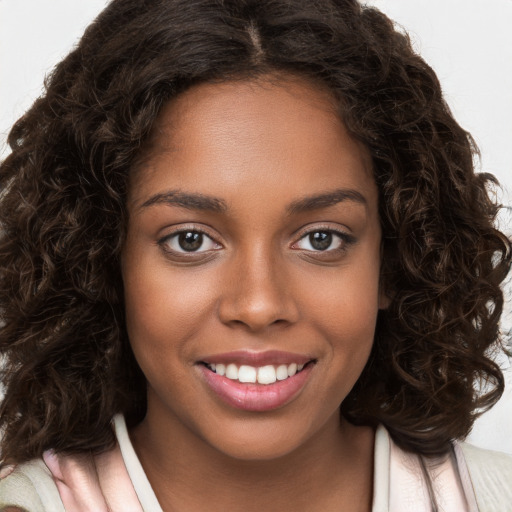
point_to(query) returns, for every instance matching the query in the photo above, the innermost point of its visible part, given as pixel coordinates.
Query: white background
(468, 42)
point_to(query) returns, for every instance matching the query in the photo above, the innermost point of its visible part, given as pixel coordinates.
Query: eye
(188, 241)
(324, 240)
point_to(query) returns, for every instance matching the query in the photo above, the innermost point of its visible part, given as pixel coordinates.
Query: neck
(332, 470)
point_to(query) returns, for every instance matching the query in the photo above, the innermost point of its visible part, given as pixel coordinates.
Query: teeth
(282, 372)
(266, 374)
(232, 371)
(249, 374)
(292, 370)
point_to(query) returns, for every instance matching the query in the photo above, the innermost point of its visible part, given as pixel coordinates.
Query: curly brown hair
(68, 366)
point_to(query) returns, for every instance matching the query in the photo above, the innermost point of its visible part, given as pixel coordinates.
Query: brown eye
(188, 241)
(320, 240)
(324, 240)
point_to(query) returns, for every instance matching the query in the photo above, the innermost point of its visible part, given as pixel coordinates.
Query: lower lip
(257, 397)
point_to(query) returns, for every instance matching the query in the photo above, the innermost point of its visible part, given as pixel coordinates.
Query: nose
(255, 293)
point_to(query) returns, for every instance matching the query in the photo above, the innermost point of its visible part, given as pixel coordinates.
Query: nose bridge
(255, 293)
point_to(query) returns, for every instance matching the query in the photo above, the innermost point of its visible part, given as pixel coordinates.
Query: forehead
(256, 136)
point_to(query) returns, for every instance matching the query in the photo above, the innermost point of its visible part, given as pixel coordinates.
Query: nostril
(256, 305)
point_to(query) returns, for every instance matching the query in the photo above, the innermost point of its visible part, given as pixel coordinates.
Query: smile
(256, 382)
(267, 374)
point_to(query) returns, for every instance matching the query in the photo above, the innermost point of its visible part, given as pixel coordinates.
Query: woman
(223, 224)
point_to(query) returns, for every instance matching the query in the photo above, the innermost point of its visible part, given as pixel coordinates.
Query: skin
(255, 284)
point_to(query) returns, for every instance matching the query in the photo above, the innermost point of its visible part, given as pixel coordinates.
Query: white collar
(398, 481)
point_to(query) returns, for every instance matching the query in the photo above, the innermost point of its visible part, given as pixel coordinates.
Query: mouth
(265, 375)
(257, 382)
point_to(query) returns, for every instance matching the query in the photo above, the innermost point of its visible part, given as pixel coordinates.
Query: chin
(264, 448)
(263, 439)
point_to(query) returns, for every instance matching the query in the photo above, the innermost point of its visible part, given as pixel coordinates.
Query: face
(251, 266)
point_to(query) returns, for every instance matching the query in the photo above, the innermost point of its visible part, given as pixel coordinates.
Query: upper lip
(256, 359)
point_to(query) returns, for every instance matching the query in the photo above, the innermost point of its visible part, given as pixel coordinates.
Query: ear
(384, 299)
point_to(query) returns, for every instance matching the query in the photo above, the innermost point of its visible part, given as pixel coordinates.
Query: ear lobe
(384, 299)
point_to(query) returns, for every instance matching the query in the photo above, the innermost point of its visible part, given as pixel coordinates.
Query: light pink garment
(102, 483)
(93, 484)
(408, 488)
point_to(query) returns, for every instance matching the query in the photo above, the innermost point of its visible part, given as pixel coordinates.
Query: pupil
(190, 241)
(320, 240)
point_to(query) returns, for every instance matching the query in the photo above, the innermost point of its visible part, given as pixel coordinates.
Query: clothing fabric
(469, 479)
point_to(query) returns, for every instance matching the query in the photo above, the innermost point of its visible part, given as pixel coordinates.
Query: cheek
(344, 310)
(164, 309)
(347, 301)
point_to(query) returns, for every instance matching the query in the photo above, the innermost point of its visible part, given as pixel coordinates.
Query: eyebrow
(188, 200)
(194, 201)
(318, 201)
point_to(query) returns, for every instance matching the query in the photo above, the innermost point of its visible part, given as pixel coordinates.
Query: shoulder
(488, 460)
(29, 486)
(490, 473)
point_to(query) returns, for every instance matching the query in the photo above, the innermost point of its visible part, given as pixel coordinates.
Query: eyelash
(345, 241)
(164, 241)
